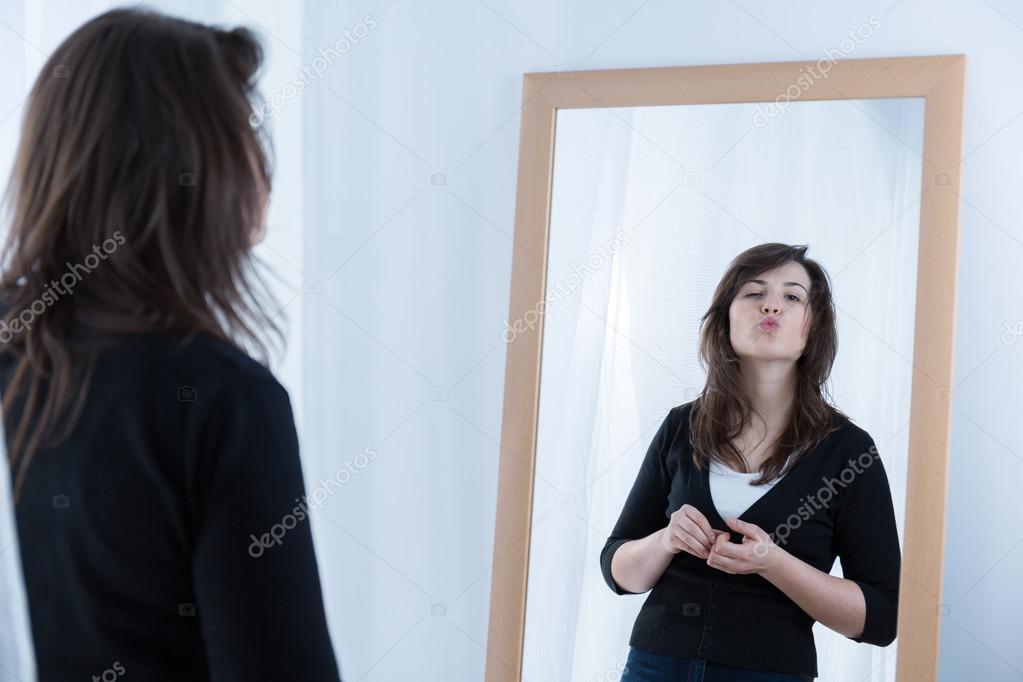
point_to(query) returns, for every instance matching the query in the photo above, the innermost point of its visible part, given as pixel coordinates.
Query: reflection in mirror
(649, 207)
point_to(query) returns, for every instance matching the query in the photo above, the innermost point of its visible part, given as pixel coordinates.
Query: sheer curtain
(691, 187)
(17, 661)
(581, 292)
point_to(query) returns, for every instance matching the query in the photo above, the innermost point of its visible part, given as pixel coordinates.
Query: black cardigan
(137, 532)
(835, 501)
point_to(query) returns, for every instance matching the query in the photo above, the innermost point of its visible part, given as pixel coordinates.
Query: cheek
(804, 327)
(742, 309)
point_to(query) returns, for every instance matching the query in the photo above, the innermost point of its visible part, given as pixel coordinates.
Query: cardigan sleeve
(645, 506)
(257, 583)
(867, 543)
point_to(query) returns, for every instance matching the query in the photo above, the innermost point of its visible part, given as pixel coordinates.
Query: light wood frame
(939, 79)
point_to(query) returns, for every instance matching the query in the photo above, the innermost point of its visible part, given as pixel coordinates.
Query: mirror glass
(649, 205)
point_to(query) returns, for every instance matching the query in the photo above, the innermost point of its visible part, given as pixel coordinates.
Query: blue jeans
(641, 666)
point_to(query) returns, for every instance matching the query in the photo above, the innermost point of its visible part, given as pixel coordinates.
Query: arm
(637, 565)
(835, 602)
(863, 605)
(633, 557)
(259, 604)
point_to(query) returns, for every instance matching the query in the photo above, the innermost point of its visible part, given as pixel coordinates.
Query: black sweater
(136, 532)
(835, 501)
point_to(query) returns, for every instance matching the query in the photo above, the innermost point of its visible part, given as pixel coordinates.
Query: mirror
(637, 189)
(648, 206)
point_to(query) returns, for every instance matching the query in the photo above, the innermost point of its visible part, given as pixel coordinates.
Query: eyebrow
(787, 284)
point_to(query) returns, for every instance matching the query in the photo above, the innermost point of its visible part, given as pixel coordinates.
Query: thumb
(740, 526)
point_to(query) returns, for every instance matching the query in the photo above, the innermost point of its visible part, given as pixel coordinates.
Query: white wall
(435, 89)
(400, 350)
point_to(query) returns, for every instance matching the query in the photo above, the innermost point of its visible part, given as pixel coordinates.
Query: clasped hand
(689, 531)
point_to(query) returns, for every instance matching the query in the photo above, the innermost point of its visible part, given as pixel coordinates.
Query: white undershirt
(731, 491)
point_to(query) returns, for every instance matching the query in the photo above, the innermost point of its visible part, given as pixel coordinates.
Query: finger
(686, 543)
(681, 541)
(693, 546)
(694, 531)
(749, 529)
(729, 549)
(722, 563)
(700, 521)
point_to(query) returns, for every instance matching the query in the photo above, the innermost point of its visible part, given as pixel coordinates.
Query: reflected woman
(155, 463)
(748, 493)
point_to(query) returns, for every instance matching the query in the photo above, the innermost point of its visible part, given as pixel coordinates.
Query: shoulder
(223, 370)
(676, 421)
(852, 461)
(199, 371)
(675, 447)
(222, 357)
(851, 439)
(680, 413)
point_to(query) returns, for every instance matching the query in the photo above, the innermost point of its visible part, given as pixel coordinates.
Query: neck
(771, 389)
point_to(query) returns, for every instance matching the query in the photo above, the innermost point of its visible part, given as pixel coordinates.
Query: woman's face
(769, 317)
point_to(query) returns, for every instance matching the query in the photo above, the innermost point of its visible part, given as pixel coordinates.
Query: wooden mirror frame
(939, 80)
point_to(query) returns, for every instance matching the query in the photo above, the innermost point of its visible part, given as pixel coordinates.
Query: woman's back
(143, 535)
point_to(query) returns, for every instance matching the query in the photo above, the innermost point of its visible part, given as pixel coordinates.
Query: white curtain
(16, 654)
(17, 662)
(692, 187)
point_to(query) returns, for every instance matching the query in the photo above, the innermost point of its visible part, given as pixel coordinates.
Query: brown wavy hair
(140, 183)
(722, 410)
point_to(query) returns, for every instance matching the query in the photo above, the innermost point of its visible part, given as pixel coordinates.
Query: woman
(747, 494)
(155, 464)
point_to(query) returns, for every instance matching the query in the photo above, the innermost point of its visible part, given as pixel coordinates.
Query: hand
(756, 554)
(689, 531)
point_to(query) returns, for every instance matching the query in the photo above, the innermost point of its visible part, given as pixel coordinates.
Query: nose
(770, 309)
